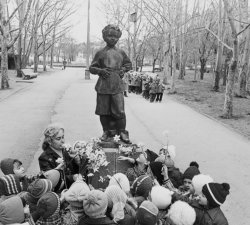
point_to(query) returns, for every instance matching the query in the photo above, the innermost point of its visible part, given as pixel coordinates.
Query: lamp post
(133, 18)
(87, 73)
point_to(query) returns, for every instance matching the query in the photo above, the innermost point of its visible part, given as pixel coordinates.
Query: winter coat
(160, 88)
(47, 161)
(153, 88)
(96, 221)
(206, 216)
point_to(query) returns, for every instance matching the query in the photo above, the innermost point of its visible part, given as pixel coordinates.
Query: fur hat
(39, 187)
(199, 181)
(110, 27)
(190, 172)
(216, 193)
(182, 213)
(74, 196)
(11, 211)
(161, 197)
(95, 203)
(142, 186)
(116, 200)
(147, 213)
(6, 165)
(50, 203)
(120, 180)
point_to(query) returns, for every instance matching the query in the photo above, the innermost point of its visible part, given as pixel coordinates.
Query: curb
(13, 93)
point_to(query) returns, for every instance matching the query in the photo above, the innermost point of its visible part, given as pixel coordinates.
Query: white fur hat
(181, 213)
(161, 196)
(199, 181)
(121, 180)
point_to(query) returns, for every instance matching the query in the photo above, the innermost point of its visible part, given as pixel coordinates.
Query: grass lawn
(199, 96)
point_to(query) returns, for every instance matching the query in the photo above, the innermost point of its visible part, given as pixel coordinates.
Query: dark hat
(39, 187)
(142, 186)
(190, 172)
(6, 165)
(216, 193)
(147, 213)
(150, 155)
(156, 168)
(50, 203)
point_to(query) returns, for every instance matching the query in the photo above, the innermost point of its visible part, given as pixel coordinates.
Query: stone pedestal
(101, 178)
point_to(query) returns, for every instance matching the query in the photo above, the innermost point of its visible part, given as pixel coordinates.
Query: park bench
(28, 74)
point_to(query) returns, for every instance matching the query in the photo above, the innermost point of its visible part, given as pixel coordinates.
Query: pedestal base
(100, 180)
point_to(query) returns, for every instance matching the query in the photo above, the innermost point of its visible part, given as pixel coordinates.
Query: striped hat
(39, 187)
(216, 193)
(11, 184)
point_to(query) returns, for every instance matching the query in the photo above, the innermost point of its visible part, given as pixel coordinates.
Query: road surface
(64, 96)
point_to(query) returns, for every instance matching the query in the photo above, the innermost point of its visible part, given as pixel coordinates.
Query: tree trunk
(195, 68)
(241, 90)
(173, 68)
(4, 45)
(202, 69)
(228, 104)
(219, 51)
(35, 37)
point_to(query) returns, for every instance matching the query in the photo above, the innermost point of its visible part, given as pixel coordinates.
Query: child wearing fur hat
(180, 213)
(118, 209)
(48, 210)
(208, 210)
(74, 196)
(95, 205)
(14, 210)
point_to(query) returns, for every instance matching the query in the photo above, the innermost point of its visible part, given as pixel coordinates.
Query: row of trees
(177, 34)
(34, 27)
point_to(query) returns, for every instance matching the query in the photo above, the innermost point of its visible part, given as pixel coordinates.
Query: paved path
(220, 152)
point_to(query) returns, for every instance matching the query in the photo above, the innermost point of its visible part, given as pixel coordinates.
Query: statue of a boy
(110, 63)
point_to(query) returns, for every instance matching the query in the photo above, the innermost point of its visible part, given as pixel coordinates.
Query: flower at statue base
(92, 157)
(117, 138)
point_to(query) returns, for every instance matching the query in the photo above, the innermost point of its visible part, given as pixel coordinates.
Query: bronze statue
(110, 63)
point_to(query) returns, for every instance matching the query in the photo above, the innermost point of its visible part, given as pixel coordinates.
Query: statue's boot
(125, 136)
(105, 136)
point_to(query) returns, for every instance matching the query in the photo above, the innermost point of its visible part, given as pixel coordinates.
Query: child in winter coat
(48, 210)
(147, 214)
(121, 212)
(14, 180)
(95, 205)
(74, 196)
(208, 210)
(14, 210)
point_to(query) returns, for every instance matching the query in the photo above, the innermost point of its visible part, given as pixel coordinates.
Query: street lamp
(87, 73)
(133, 18)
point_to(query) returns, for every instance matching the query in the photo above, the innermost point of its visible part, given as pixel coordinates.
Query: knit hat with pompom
(199, 181)
(181, 213)
(216, 193)
(77, 191)
(95, 203)
(161, 197)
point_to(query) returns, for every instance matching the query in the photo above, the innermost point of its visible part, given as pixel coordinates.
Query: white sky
(79, 19)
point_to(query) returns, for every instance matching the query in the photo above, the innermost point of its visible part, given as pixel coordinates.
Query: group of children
(153, 191)
(151, 88)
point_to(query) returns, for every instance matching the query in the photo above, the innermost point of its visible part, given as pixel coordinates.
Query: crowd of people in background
(153, 191)
(151, 88)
